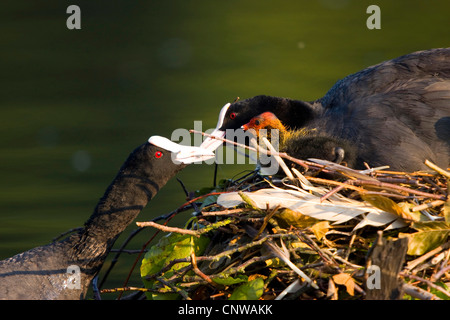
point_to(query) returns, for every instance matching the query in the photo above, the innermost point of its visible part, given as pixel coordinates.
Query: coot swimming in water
(45, 272)
(396, 113)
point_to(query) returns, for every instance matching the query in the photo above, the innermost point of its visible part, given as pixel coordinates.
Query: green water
(74, 103)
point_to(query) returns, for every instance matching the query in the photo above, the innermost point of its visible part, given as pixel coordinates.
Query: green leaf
(228, 280)
(429, 236)
(171, 247)
(251, 290)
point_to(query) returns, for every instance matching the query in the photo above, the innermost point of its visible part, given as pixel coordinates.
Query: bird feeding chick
(302, 143)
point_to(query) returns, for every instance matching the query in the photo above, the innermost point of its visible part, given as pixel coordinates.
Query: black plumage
(396, 113)
(42, 272)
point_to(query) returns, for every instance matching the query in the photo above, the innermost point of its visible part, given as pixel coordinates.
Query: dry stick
(427, 282)
(277, 158)
(123, 289)
(280, 154)
(230, 271)
(349, 185)
(337, 183)
(437, 169)
(266, 221)
(428, 205)
(438, 275)
(167, 229)
(225, 212)
(330, 193)
(386, 185)
(327, 256)
(174, 288)
(430, 181)
(419, 293)
(198, 271)
(414, 263)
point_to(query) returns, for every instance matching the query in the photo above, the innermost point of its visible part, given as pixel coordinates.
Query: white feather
(337, 209)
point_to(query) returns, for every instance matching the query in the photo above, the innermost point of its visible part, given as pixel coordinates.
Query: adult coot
(47, 272)
(396, 113)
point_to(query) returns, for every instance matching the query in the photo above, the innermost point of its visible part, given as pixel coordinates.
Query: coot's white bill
(211, 143)
(183, 154)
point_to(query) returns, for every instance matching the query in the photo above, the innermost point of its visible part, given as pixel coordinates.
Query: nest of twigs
(275, 251)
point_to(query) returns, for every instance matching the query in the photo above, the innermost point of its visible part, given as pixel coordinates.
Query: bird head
(180, 153)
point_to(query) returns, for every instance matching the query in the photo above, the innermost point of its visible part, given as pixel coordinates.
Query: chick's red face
(255, 123)
(262, 121)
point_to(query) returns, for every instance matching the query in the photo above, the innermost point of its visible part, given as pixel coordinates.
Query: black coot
(396, 113)
(44, 272)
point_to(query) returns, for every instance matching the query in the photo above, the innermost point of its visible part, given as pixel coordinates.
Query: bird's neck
(131, 190)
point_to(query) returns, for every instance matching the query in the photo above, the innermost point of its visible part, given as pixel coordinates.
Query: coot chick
(45, 273)
(303, 143)
(396, 113)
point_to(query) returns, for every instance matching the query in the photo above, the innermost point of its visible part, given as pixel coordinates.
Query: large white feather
(337, 209)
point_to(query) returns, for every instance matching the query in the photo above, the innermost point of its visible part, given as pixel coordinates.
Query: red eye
(232, 115)
(158, 154)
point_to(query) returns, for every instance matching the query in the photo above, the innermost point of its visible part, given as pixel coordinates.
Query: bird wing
(403, 103)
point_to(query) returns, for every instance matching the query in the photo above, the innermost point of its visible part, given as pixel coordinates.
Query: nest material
(252, 252)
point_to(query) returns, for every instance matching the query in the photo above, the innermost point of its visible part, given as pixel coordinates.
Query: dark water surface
(74, 103)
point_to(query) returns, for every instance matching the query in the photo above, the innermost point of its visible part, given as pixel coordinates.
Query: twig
(174, 288)
(391, 186)
(123, 289)
(266, 221)
(280, 254)
(437, 169)
(259, 149)
(188, 196)
(337, 183)
(428, 205)
(238, 269)
(198, 271)
(225, 212)
(412, 264)
(167, 229)
(330, 193)
(419, 293)
(427, 282)
(439, 274)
